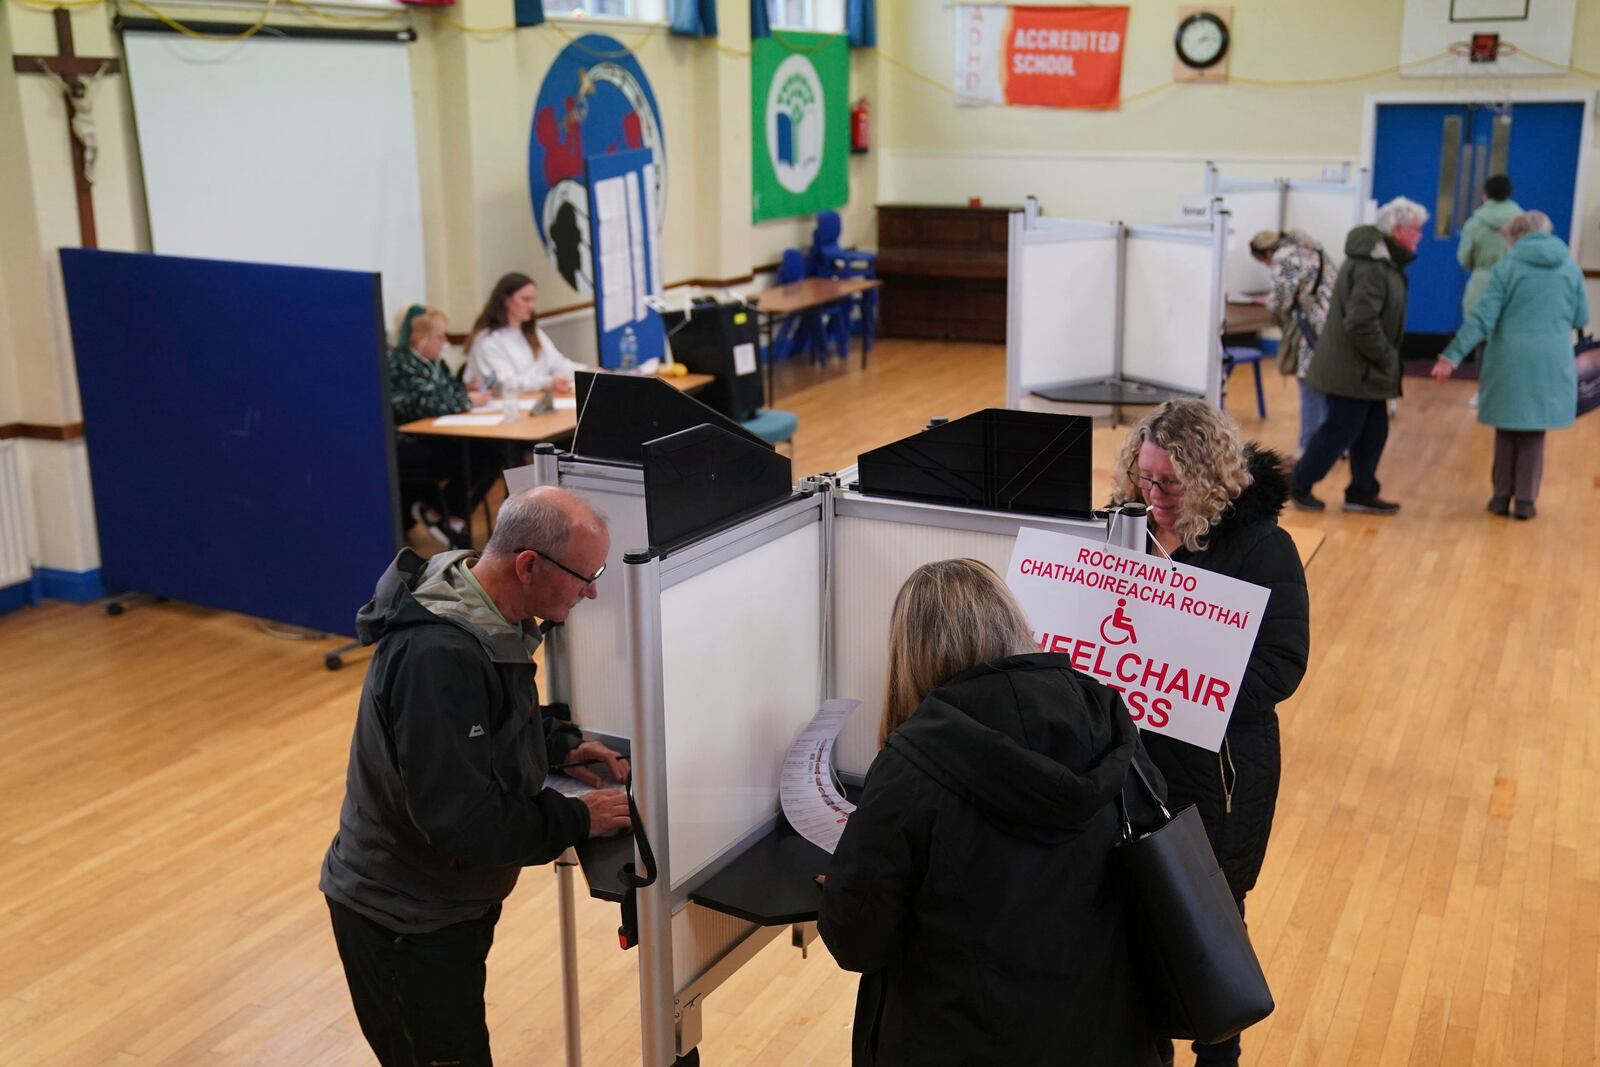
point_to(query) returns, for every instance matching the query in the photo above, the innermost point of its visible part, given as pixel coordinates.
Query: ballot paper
(812, 801)
(467, 420)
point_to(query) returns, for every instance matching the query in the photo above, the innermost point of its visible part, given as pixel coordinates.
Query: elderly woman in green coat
(1532, 302)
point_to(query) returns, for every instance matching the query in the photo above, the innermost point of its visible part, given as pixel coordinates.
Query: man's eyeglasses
(1169, 486)
(584, 578)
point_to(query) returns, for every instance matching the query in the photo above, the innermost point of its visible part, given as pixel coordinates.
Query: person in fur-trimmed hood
(1214, 503)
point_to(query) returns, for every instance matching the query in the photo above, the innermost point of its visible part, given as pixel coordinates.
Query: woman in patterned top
(1302, 287)
(422, 387)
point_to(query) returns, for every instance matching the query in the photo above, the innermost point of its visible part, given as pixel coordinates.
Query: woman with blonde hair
(973, 885)
(1214, 503)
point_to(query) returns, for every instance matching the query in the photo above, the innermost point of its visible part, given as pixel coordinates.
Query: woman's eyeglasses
(1169, 486)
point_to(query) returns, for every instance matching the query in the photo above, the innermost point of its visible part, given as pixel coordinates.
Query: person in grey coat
(1532, 302)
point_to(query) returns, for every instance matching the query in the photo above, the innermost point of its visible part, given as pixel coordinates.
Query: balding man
(444, 797)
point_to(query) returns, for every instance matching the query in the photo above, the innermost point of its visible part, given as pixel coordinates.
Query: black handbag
(1196, 963)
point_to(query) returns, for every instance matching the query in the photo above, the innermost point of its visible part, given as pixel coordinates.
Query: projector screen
(291, 151)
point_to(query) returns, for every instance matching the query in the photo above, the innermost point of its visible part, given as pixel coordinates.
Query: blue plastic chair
(772, 425)
(1232, 356)
(829, 259)
(813, 330)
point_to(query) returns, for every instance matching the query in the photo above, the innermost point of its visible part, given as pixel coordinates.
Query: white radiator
(16, 563)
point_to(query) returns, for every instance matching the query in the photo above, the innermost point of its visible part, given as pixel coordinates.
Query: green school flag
(801, 124)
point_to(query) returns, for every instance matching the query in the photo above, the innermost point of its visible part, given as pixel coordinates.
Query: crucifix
(68, 70)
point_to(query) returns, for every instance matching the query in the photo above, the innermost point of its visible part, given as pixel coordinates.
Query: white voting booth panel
(742, 674)
(876, 545)
(1171, 329)
(1328, 211)
(1064, 292)
(594, 639)
(1091, 303)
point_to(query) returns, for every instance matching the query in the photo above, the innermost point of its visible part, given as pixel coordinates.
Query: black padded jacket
(444, 797)
(973, 885)
(1236, 790)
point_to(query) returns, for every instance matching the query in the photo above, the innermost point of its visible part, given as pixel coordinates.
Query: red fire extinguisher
(860, 126)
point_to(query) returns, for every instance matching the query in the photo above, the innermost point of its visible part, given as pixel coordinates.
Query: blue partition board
(240, 440)
(646, 326)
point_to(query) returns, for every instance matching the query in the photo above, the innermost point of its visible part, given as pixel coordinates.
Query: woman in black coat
(972, 886)
(1214, 504)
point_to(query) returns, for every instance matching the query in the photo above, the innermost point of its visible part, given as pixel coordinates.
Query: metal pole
(567, 908)
(642, 589)
(1127, 526)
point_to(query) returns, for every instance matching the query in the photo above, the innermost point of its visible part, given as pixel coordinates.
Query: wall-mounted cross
(69, 70)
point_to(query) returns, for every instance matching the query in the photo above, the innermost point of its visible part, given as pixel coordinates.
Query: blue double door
(1439, 156)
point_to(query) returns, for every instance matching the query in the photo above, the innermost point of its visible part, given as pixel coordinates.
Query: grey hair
(1400, 212)
(1526, 223)
(530, 520)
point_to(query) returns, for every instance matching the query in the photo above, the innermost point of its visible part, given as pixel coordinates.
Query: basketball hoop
(1483, 48)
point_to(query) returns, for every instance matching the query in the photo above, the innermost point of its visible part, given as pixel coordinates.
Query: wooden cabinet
(943, 271)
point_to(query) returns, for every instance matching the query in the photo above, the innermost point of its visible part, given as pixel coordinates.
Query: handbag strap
(1150, 791)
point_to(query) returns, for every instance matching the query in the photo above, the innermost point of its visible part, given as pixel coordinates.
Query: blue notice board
(623, 231)
(239, 433)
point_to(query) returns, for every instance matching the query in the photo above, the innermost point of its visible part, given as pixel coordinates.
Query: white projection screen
(281, 150)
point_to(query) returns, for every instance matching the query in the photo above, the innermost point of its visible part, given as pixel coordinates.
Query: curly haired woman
(1214, 504)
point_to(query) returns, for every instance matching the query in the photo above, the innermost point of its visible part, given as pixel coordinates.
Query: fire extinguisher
(860, 126)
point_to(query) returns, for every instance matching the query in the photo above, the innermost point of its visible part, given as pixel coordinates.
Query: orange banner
(1064, 56)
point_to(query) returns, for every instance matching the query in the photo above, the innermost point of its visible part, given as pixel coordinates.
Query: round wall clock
(1201, 40)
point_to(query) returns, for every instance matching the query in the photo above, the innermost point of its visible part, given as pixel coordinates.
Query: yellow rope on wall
(172, 23)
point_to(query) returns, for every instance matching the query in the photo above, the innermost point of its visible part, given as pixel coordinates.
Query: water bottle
(628, 351)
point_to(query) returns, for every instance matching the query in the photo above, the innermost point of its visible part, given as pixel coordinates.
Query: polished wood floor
(169, 779)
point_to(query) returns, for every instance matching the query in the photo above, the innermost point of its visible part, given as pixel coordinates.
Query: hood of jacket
(438, 592)
(1369, 242)
(1542, 250)
(1263, 498)
(1496, 213)
(1026, 740)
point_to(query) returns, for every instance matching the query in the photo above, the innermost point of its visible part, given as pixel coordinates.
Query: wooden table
(805, 295)
(1246, 318)
(534, 429)
(527, 430)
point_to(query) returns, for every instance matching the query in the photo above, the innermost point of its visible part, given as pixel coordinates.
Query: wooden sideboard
(943, 271)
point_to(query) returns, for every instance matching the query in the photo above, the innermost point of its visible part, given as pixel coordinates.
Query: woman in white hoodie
(506, 348)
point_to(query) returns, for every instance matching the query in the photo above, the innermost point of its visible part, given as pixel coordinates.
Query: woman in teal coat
(1532, 302)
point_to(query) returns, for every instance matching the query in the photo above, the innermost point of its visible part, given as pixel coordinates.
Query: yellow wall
(1135, 163)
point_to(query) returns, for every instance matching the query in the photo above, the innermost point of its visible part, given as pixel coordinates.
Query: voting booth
(1327, 210)
(1112, 313)
(708, 650)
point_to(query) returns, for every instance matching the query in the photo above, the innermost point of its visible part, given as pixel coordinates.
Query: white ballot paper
(812, 801)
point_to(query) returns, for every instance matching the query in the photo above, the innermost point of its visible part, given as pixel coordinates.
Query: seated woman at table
(422, 387)
(973, 886)
(507, 350)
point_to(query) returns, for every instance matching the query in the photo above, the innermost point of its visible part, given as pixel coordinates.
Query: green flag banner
(801, 124)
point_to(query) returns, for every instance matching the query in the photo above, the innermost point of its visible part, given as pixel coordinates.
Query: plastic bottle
(628, 352)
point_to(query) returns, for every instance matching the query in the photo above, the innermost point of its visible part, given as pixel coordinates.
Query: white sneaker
(1473, 402)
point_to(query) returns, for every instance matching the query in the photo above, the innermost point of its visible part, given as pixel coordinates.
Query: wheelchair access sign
(1174, 640)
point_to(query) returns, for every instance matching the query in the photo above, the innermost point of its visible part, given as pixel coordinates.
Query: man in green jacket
(1357, 363)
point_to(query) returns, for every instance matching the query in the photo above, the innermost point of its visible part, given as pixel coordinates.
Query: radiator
(16, 563)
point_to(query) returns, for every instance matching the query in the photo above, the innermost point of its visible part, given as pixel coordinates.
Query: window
(630, 10)
(821, 16)
(790, 14)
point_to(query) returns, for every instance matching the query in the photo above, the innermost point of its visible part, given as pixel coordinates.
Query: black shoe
(1372, 506)
(1523, 509)
(1500, 505)
(1304, 501)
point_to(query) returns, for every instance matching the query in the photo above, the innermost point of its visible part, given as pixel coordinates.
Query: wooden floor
(169, 780)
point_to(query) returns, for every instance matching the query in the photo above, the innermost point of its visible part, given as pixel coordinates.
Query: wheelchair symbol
(1119, 622)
